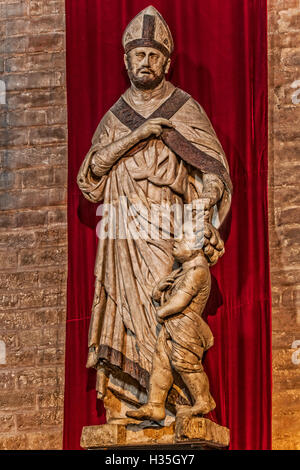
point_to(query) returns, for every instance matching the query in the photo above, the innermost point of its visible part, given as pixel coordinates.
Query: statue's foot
(202, 407)
(152, 411)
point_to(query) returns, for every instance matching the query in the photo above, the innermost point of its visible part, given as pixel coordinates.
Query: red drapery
(220, 58)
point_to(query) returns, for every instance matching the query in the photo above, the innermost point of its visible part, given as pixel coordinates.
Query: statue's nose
(145, 61)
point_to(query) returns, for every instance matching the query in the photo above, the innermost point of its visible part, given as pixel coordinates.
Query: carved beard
(146, 82)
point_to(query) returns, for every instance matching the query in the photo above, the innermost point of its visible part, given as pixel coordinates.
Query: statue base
(186, 432)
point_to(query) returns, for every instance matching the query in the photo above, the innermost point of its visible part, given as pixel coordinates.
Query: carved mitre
(148, 29)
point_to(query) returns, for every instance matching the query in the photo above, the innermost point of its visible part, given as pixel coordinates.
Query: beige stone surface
(185, 430)
(33, 230)
(284, 209)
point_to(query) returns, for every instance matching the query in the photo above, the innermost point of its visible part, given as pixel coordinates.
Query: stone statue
(154, 147)
(184, 335)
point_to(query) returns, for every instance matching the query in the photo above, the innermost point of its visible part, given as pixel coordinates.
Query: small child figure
(184, 335)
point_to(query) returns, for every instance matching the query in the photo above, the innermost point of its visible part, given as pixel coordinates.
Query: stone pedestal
(187, 431)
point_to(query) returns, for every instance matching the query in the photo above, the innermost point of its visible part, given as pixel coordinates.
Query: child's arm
(176, 304)
(191, 285)
(161, 286)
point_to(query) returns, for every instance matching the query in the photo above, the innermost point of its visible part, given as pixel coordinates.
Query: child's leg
(161, 380)
(198, 386)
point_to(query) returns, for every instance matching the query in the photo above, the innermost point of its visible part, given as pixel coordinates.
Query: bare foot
(153, 411)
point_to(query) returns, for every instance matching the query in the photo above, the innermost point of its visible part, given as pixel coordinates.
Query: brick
(44, 297)
(39, 419)
(285, 277)
(40, 377)
(11, 400)
(16, 240)
(13, 137)
(289, 40)
(287, 173)
(46, 42)
(26, 118)
(40, 177)
(48, 317)
(35, 62)
(56, 115)
(13, 9)
(31, 157)
(53, 336)
(10, 339)
(24, 218)
(36, 7)
(36, 98)
(47, 23)
(18, 280)
(42, 135)
(50, 278)
(7, 180)
(290, 57)
(8, 301)
(7, 381)
(18, 320)
(17, 27)
(58, 216)
(51, 236)
(28, 338)
(279, 5)
(282, 339)
(289, 20)
(14, 45)
(43, 257)
(289, 215)
(54, 399)
(290, 399)
(50, 356)
(21, 358)
(7, 424)
(287, 153)
(32, 198)
(287, 195)
(14, 442)
(8, 259)
(283, 318)
(34, 80)
(46, 440)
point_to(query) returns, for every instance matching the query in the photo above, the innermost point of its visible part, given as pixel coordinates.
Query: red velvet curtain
(220, 58)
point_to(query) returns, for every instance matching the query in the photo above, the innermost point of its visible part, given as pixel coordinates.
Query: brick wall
(33, 235)
(284, 216)
(33, 221)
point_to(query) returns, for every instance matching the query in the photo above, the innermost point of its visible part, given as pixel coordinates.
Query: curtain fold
(220, 58)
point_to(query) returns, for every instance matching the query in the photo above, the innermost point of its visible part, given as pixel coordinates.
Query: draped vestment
(123, 326)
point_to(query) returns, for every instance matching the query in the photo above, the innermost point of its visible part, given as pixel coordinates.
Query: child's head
(186, 248)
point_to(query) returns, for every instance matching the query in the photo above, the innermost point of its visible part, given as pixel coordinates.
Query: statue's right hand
(151, 127)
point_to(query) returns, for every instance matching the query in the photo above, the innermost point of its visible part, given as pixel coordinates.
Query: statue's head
(148, 44)
(187, 247)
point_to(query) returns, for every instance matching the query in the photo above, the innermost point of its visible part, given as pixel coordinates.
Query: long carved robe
(123, 326)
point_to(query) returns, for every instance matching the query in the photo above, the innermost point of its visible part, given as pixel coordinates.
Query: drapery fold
(220, 58)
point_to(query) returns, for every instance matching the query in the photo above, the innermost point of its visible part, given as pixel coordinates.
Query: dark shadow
(215, 300)
(86, 212)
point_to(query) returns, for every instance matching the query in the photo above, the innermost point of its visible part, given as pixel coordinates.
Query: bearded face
(146, 67)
